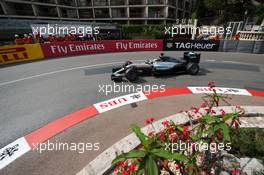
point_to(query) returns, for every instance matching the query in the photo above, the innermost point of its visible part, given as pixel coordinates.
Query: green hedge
(249, 142)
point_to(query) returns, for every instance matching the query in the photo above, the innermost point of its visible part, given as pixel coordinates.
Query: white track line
(58, 71)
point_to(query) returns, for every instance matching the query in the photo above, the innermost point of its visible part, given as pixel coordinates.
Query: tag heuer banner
(191, 45)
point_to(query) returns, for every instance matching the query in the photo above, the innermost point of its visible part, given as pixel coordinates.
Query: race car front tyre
(116, 79)
(116, 69)
(193, 68)
(131, 73)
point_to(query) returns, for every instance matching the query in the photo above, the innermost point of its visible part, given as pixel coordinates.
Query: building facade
(115, 11)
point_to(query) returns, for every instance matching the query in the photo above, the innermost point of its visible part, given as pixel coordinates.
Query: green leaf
(135, 154)
(142, 137)
(225, 130)
(209, 130)
(119, 158)
(168, 155)
(151, 166)
(229, 116)
(140, 172)
(131, 154)
(211, 119)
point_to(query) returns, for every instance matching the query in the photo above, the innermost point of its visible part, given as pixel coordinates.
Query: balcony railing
(155, 15)
(102, 15)
(119, 15)
(251, 36)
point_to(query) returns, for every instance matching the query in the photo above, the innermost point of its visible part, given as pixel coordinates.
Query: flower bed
(192, 148)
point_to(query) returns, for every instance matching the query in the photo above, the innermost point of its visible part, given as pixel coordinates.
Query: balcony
(181, 4)
(100, 3)
(47, 11)
(156, 12)
(117, 2)
(19, 9)
(67, 2)
(156, 2)
(187, 6)
(172, 3)
(87, 13)
(136, 2)
(68, 13)
(119, 13)
(156, 15)
(172, 13)
(137, 12)
(251, 36)
(101, 13)
(84, 3)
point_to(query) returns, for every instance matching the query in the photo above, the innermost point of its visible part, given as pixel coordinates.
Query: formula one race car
(162, 65)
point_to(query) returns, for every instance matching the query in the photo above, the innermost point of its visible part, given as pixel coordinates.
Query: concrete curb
(102, 163)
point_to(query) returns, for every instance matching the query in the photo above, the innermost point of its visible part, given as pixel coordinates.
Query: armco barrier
(258, 47)
(230, 46)
(20, 53)
(60, 49)
(245, 46)
(241, 46)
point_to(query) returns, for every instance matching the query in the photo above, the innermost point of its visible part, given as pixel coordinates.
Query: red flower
(151, 134)
(213, 111)
(236, 125)
(177, 167)
(194, 109)
(165, 123)
(132, 168)
(235, 171)
(125, 173)
(149, 120)
(222, 112)
(211, 84)
(171, 130)
(162, 135)
(185, 133)
(173, 137)
(203, 105)
(208, 110)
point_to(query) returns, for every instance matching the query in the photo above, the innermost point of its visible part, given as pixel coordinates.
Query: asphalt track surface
(33, 94)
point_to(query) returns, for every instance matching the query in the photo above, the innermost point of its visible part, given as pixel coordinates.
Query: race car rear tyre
(193, 68)
(131, 73)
